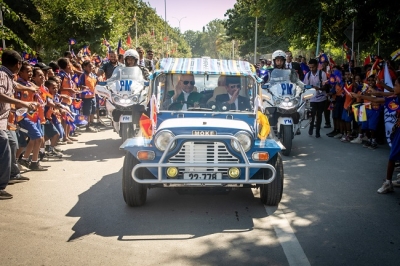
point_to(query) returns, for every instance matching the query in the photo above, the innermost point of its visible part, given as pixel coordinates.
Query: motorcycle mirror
(265, 86)
(146, 83)
(307, 86)
(102, 83)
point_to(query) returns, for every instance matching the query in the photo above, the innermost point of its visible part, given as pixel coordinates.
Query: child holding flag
(393, 103)
(347, 116)
(373, 110)
(31, 123)
(87, 82)
(67, 88)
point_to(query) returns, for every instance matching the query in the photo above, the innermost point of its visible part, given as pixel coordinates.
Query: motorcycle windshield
(126, 80)
(283, 81)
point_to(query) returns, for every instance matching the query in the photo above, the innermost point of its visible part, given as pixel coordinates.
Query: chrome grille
(203, 152)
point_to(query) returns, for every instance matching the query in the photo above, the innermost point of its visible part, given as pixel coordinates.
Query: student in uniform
(395, 135)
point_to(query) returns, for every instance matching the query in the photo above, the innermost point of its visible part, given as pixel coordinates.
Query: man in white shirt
(316, 78)
(142, 61)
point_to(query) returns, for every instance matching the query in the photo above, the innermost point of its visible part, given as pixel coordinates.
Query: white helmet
(278, 53)
(131, 52)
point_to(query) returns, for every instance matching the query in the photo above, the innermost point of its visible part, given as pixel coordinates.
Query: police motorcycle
(286, 102)
(126, 98)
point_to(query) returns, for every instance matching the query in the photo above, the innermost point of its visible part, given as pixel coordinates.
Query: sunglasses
(186, 82)
(234, 86)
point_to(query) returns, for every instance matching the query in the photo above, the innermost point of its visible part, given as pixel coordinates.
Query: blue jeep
(203, 127)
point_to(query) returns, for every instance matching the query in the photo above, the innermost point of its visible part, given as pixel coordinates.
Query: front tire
(287, 139)
(135, 194)
(126, 131)
(271, 194)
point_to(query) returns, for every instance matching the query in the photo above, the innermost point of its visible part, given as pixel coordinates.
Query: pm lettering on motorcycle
(287, 88)
(125, 85)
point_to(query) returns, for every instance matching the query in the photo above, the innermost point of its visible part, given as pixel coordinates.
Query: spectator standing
(108, 68)
(317, 79)
(293, 65)
(11, 64)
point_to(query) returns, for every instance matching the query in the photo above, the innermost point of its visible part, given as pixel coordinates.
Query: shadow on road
(166, 214)
(96, 153)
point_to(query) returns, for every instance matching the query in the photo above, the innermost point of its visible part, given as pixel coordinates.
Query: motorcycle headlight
(244, 140)
(162, 139)
(116, 99)
(287, 102)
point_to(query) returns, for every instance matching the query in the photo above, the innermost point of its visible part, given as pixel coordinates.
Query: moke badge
(204, 132)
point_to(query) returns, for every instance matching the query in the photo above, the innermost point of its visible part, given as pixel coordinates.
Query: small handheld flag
(106, 43)
(129, 40)
(71, 41)
(395, 55)
(120, 49)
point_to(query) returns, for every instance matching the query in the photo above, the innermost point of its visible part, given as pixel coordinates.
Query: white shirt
(289, 65)
(311, 79)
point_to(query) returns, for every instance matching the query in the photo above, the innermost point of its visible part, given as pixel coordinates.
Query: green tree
(297, 22)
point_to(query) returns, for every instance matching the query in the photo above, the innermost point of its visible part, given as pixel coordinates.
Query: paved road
(74, 214)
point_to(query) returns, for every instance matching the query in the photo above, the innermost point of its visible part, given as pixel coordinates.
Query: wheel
(126, 130)
(271, 194)
(287, 136)
(135, 194)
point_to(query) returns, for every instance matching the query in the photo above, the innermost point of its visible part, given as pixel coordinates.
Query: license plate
(126, 119)
(204, 132)
(202, 176)
(288, 121)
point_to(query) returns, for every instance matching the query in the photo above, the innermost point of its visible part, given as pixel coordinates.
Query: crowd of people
(43, 107)
(351, 99)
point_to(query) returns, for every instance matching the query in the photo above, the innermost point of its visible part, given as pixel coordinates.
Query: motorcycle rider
(131, 58)
(279, 62)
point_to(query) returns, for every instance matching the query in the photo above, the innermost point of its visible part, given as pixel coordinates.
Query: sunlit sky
(193, 14)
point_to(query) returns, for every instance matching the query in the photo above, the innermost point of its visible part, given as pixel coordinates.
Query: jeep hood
(204, 123)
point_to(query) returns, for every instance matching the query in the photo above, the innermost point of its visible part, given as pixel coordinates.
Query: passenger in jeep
(232, 97)
(185, 95)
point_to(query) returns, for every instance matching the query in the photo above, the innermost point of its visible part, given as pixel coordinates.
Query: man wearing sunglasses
(185, 95)
(232, 98)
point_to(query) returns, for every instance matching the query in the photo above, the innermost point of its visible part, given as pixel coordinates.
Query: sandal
(73, 139)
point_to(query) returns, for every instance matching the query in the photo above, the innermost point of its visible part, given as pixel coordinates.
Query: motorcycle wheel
(287, 136)
(126, 130)
(271, 194)
(135, 194)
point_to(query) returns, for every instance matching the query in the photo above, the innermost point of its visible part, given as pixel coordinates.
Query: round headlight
(244, 140)
(277, 102)
(162, 139)
(116, 99)
(135, 99)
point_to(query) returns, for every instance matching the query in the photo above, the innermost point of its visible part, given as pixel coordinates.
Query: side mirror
(265, 86)
(307, 86)
(102, 83)
(146, 83)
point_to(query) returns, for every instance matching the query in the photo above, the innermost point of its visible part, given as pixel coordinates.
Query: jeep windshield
(209, 93)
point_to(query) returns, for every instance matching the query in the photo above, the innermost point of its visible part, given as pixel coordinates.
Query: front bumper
(161, 165)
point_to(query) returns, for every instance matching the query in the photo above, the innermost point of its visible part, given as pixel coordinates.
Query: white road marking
(286, 237)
